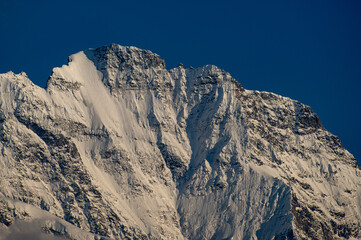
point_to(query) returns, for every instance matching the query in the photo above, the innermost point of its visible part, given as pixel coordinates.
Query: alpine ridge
(119, 147)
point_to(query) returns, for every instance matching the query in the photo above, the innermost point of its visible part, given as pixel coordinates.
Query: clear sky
(306, 50)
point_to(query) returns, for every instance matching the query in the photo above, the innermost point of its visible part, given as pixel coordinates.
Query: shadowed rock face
(119, 147)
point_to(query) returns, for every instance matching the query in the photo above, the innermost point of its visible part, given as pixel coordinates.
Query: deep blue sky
(305, 50)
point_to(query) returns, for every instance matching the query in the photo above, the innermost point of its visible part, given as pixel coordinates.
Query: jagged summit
(119, 147)
(119, 56)
(123, 67)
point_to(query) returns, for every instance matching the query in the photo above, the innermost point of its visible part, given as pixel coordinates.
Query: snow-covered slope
(119, 147)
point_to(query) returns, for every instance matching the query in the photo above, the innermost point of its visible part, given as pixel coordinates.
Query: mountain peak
(119, 147)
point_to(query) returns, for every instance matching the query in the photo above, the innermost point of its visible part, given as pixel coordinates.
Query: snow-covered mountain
(119, 147)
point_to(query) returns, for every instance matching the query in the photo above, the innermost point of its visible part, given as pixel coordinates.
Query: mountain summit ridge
(118, 147)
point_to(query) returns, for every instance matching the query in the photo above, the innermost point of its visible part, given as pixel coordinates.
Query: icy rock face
(119, 147)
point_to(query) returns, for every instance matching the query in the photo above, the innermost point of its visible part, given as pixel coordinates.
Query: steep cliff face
(119, 147)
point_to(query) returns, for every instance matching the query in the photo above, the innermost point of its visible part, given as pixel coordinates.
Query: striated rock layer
(119, 147)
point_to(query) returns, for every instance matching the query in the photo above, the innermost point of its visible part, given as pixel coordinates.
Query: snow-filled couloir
(119, 147)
